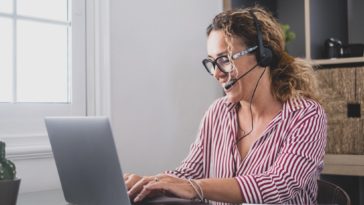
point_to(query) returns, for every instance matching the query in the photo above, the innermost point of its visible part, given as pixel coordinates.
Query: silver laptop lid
(87, 160)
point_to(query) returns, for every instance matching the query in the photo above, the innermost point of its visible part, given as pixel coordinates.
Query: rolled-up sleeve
(193, 165)
(297, 163)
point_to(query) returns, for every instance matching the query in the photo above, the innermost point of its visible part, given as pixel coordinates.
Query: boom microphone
(232, 82)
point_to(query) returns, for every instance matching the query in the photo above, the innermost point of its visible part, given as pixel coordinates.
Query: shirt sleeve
(298, 161)
(192, 165)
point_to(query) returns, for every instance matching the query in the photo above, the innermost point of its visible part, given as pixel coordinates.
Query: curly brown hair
(290, 77)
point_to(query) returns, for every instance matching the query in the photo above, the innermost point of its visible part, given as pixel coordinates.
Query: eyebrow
(223, 53)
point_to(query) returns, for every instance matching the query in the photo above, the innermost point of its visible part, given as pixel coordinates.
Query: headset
(264, 55)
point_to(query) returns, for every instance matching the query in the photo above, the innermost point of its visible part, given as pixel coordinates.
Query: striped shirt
(281, 167)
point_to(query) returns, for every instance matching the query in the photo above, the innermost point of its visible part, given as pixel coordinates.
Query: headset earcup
(265, 57)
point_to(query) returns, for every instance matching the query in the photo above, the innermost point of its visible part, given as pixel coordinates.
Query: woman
(264, 141)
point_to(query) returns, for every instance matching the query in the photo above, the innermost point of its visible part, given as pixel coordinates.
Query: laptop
(88, 164)
(87, 160)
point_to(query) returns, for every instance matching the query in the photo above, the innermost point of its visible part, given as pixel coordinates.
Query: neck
(263, 102)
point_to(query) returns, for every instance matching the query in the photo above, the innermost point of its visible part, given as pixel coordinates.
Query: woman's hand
(164, 184)
(135, 184)
(131, 180)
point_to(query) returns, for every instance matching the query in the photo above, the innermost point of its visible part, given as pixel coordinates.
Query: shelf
(310, 20)
(342, 164)
(338, 61)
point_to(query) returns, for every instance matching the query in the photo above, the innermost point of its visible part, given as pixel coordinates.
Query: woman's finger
(145, 192)
(126, 176)
(150, 193)
(138, 186)
(182, 189)
(131, 180)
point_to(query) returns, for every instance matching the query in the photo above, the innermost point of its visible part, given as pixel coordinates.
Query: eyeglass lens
(222, 62)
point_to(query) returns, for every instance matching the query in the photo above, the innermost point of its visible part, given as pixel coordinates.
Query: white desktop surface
(55, 197)
(50, 197)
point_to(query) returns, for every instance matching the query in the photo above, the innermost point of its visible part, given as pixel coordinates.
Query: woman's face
(243, 88)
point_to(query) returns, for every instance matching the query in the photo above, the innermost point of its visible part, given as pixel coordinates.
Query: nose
(218, 74)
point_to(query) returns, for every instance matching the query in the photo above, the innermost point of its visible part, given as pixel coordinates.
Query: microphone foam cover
(229, 84)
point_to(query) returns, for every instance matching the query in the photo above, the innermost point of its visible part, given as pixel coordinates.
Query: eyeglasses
(223, 62)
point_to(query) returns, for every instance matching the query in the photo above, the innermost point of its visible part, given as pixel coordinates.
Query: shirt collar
(289, 106)
(229, 105)
(292, 105)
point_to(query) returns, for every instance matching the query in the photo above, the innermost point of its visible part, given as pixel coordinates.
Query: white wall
(159, 88)
(34, 163)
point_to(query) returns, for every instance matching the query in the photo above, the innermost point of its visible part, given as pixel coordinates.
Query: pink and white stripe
(282, 166)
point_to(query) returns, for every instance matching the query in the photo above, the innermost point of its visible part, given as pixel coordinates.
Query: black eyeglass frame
(233, 57)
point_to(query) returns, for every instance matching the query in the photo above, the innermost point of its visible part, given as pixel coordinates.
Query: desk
(55, 197)
(50, 197)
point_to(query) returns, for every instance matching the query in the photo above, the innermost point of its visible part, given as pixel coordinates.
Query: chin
(232, 98)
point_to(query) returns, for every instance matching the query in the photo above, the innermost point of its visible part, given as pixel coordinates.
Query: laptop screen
(87, 160)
